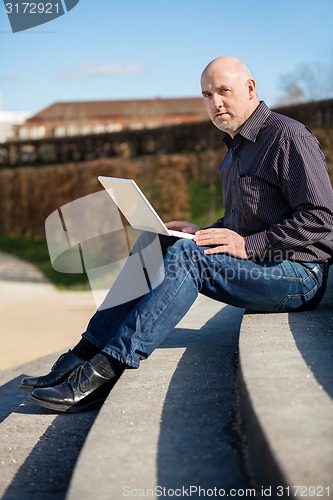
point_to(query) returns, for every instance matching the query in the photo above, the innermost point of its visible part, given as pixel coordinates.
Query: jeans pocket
(305, 292)
(299, 302)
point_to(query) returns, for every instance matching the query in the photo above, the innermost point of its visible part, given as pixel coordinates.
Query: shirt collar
(253, 124)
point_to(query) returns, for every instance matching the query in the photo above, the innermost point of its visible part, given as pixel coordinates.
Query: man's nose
(217, 101)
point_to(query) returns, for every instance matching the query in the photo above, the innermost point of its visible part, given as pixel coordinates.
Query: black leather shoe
(60, 371)
(84, 390)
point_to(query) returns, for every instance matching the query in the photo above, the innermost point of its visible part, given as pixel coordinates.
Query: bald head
(230, 66)
(229, 93)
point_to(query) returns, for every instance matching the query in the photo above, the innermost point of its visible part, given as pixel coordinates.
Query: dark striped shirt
(277, 192)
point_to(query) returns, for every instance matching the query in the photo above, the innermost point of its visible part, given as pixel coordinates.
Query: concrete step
(181, 403)
(172, 423)
(38, 448)
(286, 397)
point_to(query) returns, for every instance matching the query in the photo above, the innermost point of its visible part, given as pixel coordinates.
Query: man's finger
(219, 249)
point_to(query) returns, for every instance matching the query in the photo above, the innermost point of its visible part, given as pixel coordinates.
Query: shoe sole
(91, 402)
(76, 408)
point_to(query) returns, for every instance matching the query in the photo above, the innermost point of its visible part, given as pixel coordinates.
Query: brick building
(81, 131)
(69, 119)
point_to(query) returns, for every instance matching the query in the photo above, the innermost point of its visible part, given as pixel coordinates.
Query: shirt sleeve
(218, 224)
(302, 175)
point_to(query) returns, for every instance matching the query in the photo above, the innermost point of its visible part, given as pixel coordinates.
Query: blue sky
(131, 49)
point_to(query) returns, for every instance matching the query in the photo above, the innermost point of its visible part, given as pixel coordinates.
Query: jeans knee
(182, 261)
(187, 254)
(185, 247)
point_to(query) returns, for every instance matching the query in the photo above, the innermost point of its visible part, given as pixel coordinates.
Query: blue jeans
(131, 331)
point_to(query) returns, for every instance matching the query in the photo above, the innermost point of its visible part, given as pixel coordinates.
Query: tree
(309, 82)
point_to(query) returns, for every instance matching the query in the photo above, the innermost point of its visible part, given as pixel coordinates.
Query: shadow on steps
(46, 472)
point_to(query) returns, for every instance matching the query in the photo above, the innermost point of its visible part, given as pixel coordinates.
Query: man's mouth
(220, 114)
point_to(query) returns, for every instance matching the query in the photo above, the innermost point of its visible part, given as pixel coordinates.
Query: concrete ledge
(286, 395)
(171, 422)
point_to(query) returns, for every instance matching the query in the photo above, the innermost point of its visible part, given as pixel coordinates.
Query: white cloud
(100, 69)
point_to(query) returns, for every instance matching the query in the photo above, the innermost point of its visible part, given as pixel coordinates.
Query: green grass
(200, 203)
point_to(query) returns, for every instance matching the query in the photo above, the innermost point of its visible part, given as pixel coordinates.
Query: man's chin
(222, 126)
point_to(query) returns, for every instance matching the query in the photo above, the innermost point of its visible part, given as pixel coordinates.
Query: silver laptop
(136, 208)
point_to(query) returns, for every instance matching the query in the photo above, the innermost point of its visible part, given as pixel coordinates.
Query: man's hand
(223, 241)
(183, 225)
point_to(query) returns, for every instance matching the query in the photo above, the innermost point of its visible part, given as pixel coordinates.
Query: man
(269, 253)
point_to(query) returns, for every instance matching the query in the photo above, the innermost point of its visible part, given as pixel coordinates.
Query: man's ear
(251, 85)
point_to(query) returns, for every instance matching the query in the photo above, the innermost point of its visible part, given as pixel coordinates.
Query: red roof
(125, 108)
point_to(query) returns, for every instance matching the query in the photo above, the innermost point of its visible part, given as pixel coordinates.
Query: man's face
(228, 98)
